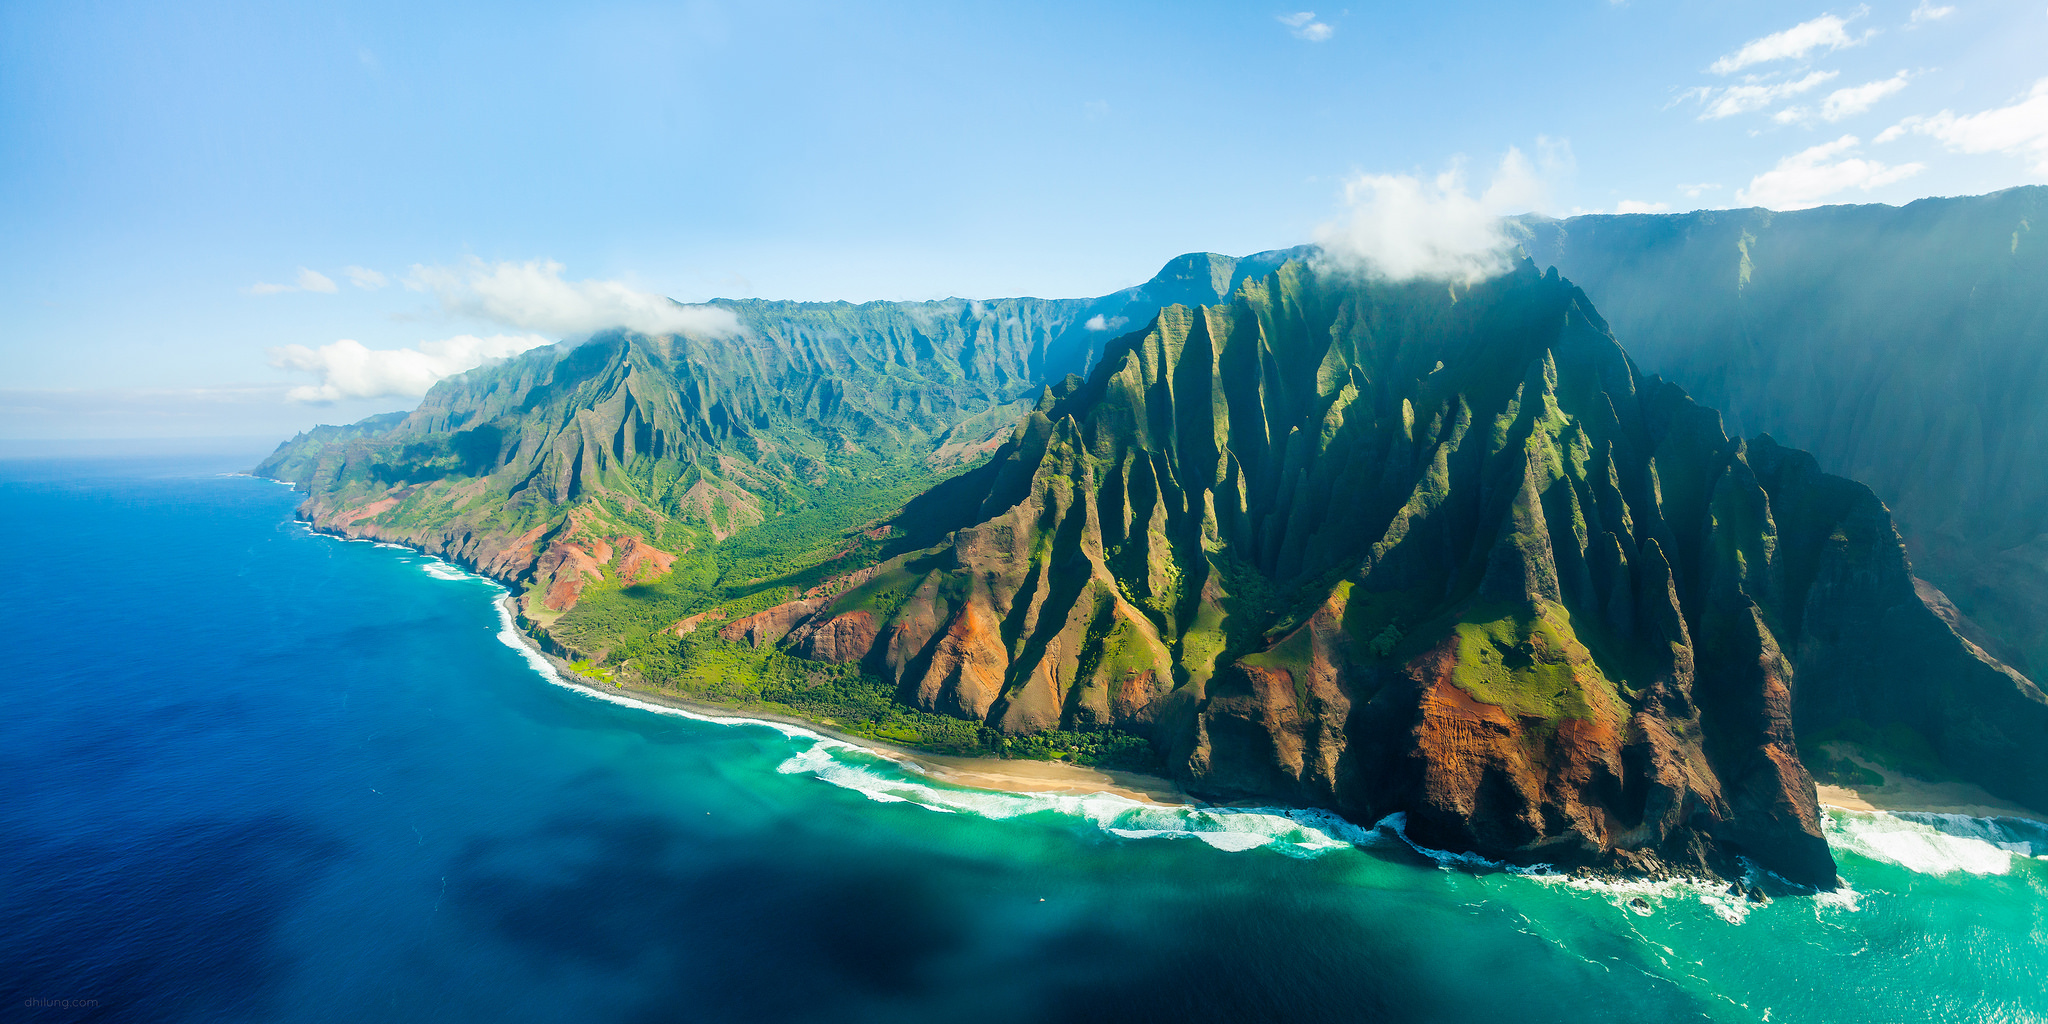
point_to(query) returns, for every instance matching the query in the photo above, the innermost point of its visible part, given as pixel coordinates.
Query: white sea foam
(1917, 845)
(1843, 898)
(1714, 895)
(2023, 836)
(1929, 847)
(884, 779)
(1397, 823)
(510, 636)
(1297, 832)
(444, 571)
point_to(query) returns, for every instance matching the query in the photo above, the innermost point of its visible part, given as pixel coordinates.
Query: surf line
(1295, 831)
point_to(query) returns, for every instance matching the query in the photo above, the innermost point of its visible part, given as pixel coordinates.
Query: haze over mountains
(1906, 347)
(1380, 547)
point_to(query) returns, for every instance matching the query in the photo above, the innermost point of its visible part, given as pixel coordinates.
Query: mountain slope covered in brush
(1906, 347)
(1391, 549)
(745, 456)
(1428, 551)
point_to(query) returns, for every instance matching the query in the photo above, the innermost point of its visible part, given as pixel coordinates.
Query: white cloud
(1100, 323)
(1841, 103)
(1741, 99)
(1637, 206)
(347, 369)
(533, 296)
(1305, 26)
(307, 281)
(1400, 227)
(1826, 33)
(1806, 177)
(1928, 12)
(1693, 191)
(2019, 129)
(364, 277)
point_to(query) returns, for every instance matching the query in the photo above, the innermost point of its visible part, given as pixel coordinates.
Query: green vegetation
(1531, 665)
(1900, 345)
(1831, 769)
(705, 669)
(1290, 483)
(751, 570)
(1894, 747)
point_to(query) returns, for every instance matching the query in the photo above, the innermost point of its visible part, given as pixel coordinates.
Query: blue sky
(188, 185)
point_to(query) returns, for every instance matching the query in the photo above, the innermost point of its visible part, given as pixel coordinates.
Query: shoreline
(1010, 775)
(1899, 794)
(1002, 774)
(1904, 794)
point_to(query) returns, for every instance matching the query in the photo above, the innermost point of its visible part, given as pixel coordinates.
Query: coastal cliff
(1438, 552)
(1416, 549)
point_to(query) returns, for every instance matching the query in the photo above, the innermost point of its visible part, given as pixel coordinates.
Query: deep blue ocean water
(247, 773)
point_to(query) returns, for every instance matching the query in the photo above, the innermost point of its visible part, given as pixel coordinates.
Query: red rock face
(688, 624)
(571, 567)
(1491, 780)
(641, 563)
(1388, 548)
(845, 639)
(966, 667)
(769, 626)
(1257, 531)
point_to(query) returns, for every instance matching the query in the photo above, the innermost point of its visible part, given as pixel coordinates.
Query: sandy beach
(1010, 775)
(1020, 776)
(1905, 793)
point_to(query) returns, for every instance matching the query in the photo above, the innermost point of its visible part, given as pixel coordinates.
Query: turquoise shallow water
(247, 773)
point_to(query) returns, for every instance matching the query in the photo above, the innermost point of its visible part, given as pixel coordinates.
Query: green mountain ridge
(1441, 552)
(650, 448)
(1400, 549)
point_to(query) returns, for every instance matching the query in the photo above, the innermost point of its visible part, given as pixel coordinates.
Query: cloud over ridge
(1401, 227)
(349, 369)
(533, 296)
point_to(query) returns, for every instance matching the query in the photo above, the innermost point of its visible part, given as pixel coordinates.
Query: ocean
(251, 773)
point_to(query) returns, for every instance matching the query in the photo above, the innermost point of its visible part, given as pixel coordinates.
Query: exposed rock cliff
(1403, 548)
(1409, 549)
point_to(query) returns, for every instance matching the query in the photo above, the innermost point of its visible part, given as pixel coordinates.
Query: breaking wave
(1937, 844)
(1231, 829)
(1932, 844)
(443, 571)
(884, 779)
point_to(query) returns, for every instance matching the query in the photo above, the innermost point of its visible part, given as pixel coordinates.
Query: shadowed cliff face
(1412, 549)
(1906, 347)
(1395, 548)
